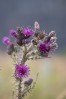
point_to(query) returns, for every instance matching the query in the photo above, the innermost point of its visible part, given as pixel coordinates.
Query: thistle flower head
(44, 48)
(21, 71)
(6, 41)
(13, 33)
(28, 31)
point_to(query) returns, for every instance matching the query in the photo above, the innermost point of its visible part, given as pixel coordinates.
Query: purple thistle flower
(44, 48)
(13, 33)
(28, 31)
(21, 71)
(6, 41)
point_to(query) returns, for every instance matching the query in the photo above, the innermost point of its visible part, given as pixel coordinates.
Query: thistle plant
(29, 44)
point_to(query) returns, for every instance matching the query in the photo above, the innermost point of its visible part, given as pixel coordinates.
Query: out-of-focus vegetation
(51, 83)
(51, 15)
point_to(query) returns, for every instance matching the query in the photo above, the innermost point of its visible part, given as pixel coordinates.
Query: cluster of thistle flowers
(29, 44)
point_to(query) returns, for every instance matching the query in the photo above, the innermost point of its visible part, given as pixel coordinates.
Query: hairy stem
(24, 56)
(20, 81)
(20, 90)
(24, 59)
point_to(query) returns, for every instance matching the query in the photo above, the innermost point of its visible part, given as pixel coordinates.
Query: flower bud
(19, 30)
(36, 25)
(41, 35)
(34, 42)
(6, 41)
(53, 39)
(36, 34)
(10, 49)
(54, 46)
(19, 42)
(52, 33)
(13, 33)
(29, 82)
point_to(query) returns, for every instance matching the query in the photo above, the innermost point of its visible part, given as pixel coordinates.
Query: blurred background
(51, 15)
